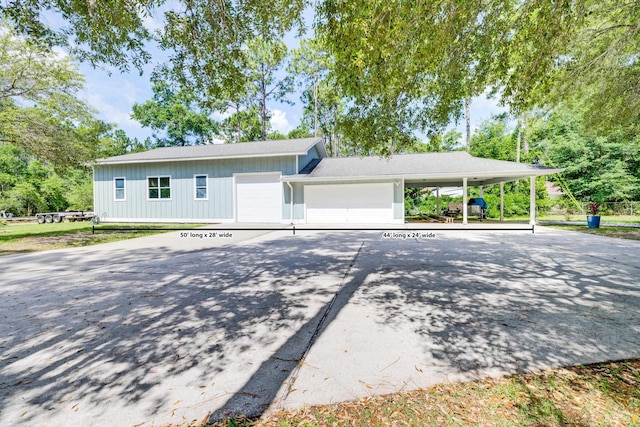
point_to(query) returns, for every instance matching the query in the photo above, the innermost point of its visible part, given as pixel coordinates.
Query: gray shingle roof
(214, 151)
(420, 167)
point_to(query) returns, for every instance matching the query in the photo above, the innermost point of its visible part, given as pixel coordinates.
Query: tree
(310, 65)
(24, 198)
(115, 142)
(242, 126)
(39, 107)
(199, 32)
(175, 114)
(494, 140)
(414, 63)
(208, 41)
(263, 61)
(598, 167)
(101, 32)
(13, 164)
(531, 53)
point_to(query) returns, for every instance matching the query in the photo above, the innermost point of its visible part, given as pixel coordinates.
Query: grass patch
(622, 219)
(29, 237)
(604, 394)
(629, 233)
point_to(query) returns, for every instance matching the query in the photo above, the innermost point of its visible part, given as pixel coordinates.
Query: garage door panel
(349, 203)
(259, 198)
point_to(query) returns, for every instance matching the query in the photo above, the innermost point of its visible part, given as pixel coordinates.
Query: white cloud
(279, 121)
(220, 116)
(114, 115)
(151, 23)
(59, 53)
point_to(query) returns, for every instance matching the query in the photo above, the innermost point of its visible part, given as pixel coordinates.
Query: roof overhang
(431, 180)
(192, 159)
(115, 161)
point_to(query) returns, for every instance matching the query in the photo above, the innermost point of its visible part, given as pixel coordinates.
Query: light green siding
(304, 160)
(182, 205)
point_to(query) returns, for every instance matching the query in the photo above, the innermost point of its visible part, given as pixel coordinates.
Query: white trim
(115, 189)
(465, 211)
(509, 175)
(404, 214)
(159, 199)
(169, 220)
(195, 187)
(190, 159)
(502, 202)
(532, 200)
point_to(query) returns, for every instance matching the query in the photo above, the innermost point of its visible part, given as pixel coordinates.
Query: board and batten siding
(182, 206)
(304, 160)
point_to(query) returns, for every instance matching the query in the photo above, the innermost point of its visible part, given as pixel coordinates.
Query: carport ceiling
(423, 170)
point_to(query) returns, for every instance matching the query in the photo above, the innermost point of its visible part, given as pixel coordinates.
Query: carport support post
(502, 202)
(464, 202)
(437, 200)
(481, 189)
(532, 201)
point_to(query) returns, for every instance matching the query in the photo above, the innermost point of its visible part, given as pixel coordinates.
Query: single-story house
(288, 181)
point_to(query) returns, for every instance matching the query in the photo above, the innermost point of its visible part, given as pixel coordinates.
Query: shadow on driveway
(160, 336)
(475, 305)
(170, 336)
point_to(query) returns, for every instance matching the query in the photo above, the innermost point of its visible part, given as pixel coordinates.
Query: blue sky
(113, 94)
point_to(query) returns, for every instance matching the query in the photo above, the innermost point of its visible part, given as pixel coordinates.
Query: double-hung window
(201, 190)
(119, 188)
(158, 187)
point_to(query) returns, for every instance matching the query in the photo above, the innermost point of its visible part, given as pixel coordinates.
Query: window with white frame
(119, 187)
(159, 187)
(201, 190)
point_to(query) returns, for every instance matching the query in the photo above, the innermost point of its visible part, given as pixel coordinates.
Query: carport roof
(289, 147)
(443, 169)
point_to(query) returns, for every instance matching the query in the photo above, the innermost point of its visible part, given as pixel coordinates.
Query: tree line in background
(372, 76)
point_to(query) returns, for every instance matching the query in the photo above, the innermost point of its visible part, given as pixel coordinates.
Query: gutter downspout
(291, 188)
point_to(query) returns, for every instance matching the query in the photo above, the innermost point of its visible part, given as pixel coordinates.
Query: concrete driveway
(170, 329)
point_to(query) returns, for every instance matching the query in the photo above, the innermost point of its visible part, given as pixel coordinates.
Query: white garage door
(259, 198)
(349, 203)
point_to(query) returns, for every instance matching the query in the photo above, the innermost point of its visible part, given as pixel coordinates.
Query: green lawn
(630, 233)
(30, 237)
(625, 219)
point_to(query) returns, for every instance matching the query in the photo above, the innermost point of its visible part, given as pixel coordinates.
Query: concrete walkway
(170, 329)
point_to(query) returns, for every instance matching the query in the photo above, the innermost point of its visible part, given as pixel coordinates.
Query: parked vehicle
(6, 215)
(71, 216)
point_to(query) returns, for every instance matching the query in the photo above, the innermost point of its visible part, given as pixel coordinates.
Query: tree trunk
(467, 116)
(264, 110)
(315, 107)
(238, 124)
(335, 131)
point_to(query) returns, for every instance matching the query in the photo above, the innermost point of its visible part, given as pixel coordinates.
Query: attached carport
(337, 186)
